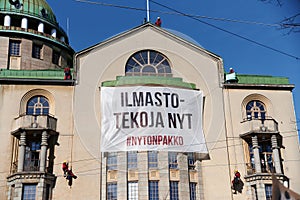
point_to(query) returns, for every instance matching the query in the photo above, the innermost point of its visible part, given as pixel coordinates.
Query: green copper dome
(35, 8)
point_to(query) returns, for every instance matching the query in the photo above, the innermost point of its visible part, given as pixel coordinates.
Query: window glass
(112, 192)
(32, 156)
(266, 156)
(29, 192)
(112, 161)
(36, 51)
(37, 105)
(173, 160)
(152, 159)
(174, 190)
(132, 160)
(153, 190)
(133, 191)
(55, 57)
(147, 62)
(193, 191)
(255, 109)
(191, 160)
(14, 48)
(268, 189)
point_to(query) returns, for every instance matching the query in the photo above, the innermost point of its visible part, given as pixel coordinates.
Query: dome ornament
(16, 3)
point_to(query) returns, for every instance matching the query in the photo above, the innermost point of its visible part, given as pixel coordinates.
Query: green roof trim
(262, 80)
(148, 80)
(32, 74)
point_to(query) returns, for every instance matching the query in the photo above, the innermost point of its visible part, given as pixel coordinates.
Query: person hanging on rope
(237, 183)
(70, 177)
(65, 167)
(68, 173)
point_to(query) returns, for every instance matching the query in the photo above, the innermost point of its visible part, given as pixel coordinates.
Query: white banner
(144, 118)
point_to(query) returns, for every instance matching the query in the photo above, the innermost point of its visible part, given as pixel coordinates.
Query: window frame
(268, 191)
(152, 159)
(31, 193)
(133, 190)
(112, 161)
(255, 109)
(132, 160)
(174, 190)
(153, 190)
(148, 63)
(113, 188)
(193, 191)
(14, 48)
(56, 57)
(172, 159)
(37, 51)
(40, 105)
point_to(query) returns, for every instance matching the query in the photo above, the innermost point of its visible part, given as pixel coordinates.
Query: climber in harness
(68, 173)
(237, 183)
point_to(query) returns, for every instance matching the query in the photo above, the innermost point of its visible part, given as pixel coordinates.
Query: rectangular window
(153, 190)
(152, 159)
(112, 161)
(112, 192)
(36, 51)
(191, 160)
(32, 156)
(29, 192)
(174, 190)
(193, 191)
(14, 48)
(132, 160)
(268, 189)
(133, 191)
(173, 160)
(55, 57)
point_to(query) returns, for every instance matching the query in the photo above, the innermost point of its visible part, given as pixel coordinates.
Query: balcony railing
(31, 165)
(259, 126)
(32, 31)
(269, 168)
(35, 121)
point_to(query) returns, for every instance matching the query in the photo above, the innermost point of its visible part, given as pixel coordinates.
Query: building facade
(49, 117)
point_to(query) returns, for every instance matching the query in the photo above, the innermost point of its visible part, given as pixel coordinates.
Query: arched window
(148, 63)
(255, 109)
(37, 105)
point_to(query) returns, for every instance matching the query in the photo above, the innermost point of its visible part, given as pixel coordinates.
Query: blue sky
(90, 24)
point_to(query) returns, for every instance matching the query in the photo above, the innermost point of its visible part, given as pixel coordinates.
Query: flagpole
(148, 14)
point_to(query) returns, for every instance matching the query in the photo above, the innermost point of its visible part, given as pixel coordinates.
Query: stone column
(103, 177)
(276, 155)
(260, 189)
(143, 175)
(122, 175)
(43, 155)
(184, 189)
(21, 156)
(255, 148)
(200, 189)
(163, 166)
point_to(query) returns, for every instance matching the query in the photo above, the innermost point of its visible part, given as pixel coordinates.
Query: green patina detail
(148, 80)
(33, 74)
(30, 7)
(58, 74)
(262, 80)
